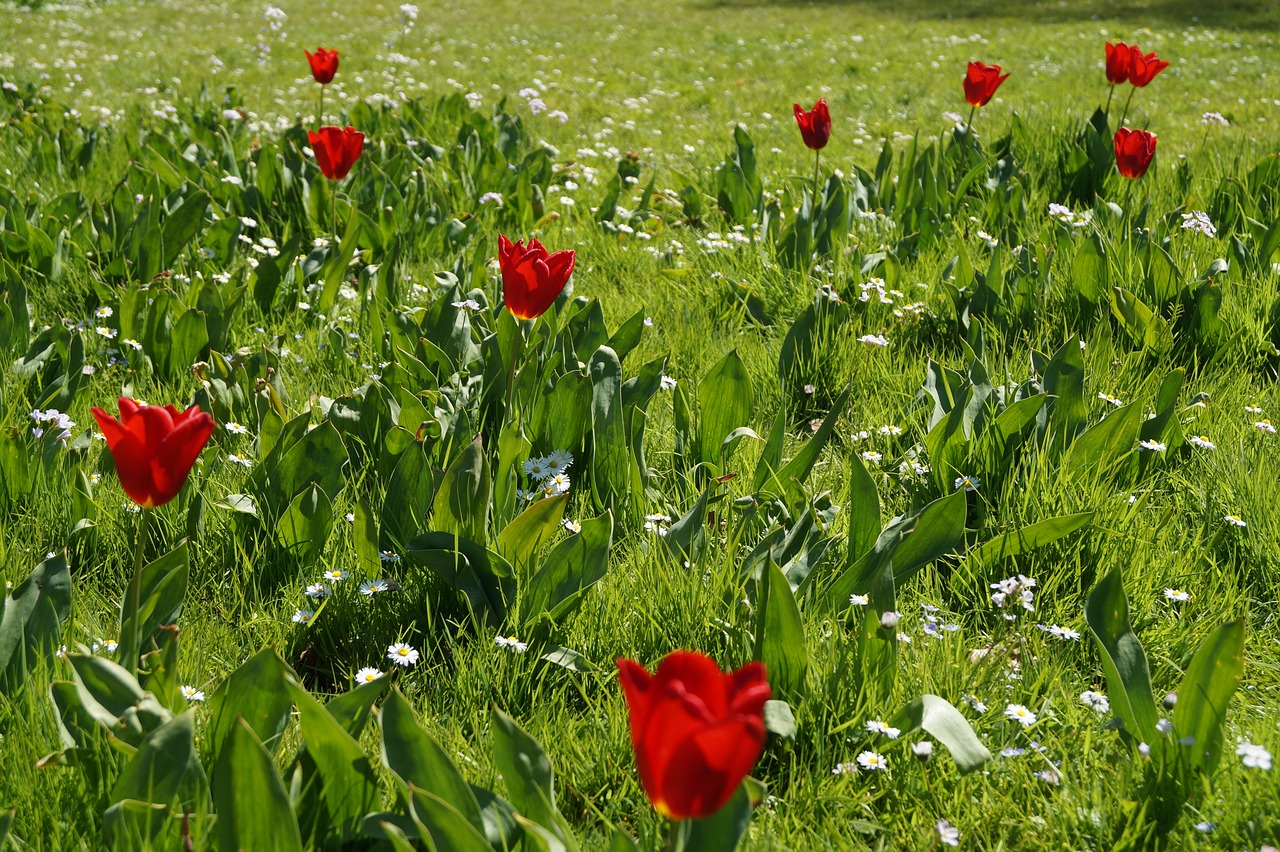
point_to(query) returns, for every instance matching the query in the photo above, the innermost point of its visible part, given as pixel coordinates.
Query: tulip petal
(177, 452)
(708, 766)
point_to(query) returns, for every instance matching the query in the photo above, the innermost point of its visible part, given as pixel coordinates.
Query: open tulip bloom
(1126, 63)
(1134, 150)
(815, 130)
(531, 278)
(154, 448)
(696, 731)
(336, 150)
(324, 64)
(980, 84)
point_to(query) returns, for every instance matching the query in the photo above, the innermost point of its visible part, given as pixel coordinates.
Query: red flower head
(1134, 150)
(815, 125)
(696, 732)
(154, 448)
(981, 82)
(324, 64)
(1144, 68)
(531, 278)
(337, 149)
(1117, 63)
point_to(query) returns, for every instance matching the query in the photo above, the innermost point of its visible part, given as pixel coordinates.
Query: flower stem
(969, 143)
(130, 630)
(817, 159)
(1127, 101)
(1111, 94)
(320, 112)
(680, 831)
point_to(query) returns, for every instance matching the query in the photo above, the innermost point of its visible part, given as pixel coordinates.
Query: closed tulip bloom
(1134, 150)
(531, 278)
(154, 448)
(324, 64)
(1144, 68)
(336, 149)
(1117, 63)
(981, 82)
(815, 125)
(696, 731)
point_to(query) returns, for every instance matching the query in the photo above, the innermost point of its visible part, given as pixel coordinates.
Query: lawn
(973, 443)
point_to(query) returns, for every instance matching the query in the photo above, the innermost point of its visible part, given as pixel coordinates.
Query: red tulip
(981, 82)
(336, 149)
(1143, 69)
(1134, 150)
(1117, 63)
(154, 448)
(324, 64)
(531, 278)
(815, 125)
(696, 732)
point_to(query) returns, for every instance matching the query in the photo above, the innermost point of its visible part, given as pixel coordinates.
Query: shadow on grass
(1231, 14)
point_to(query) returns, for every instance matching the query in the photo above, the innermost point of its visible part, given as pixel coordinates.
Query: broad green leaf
(570, 570)
(797, 470)
(1089, 270)
(154, 598)
(353, 709)
(482, 575)
(687, 537)
(1206, 690)
(419, 761)
(347, 783)
(937, 531)
(723, 830)
(1030, 537)
(1064, 383)
(30, 617)
(610, 467)
(527, 771)
(939, 719)
(461, 505)
(255, 694)
(304, 527)
(519, 540)
(254, 811)
(725, 400)
(368, 554)
(1123, 661)
(443, 826)
(779, 641)
(1105, 442)
(166, 758)
(863, 509)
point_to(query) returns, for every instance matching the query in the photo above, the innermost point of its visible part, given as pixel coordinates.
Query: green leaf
(1030, 537)
(419, 761)
(1123, 661)
(162, 763)
(353, 709)
(527, 771)
(687, 537)
(1089, 270)
(725, 399)
(1064, 382)
(723, 830)
(304, 527)
(797, 470)
(571, 569)
(938, 718)
(482, 575)
(779, 720)
(368, 554)
(1206, 690)
(1107, 441)
(256, 694)
(443, 826)
(253, 806)
(610, 467)
(30, 617)
(461, 505)
(6, 821)
(779, 641)
(347, 783)
(519, 540)
(863, 509)
(154, 598)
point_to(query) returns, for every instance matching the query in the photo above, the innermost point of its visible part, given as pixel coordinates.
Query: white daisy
(875, 726)
(303, 616)
(1020, 714)
(402, 654)
(871, 760)
(1202, 442)
(368, 674)
(511, 642)
(335, 575)
(1235, 520)
(192, 694)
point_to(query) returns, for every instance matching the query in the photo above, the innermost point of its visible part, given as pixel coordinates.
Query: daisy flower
(335, 575)
(1202, 442)
(1234, 520)
(368, 674)
(1095, 701)
(871, 760)
(1176, 595)
(1153, 446)
(402, 654)
(968, 483)
(303, 616)
(573, 526)
(511, 642)
(1020, 714)
(559, 461)
(369, 588)
(536, 468)
(875, 726)
(192, 694)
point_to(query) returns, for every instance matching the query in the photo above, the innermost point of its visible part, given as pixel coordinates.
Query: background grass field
(669, 80)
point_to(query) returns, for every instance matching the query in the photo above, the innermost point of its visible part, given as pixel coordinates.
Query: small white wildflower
(871, 760)
(368, 674)
(192, 694)
(1020, 714)
(402, 654)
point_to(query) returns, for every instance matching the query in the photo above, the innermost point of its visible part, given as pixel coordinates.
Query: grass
(669, 80)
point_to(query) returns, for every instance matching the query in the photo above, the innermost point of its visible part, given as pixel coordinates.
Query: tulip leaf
(154, 598)
(255, 694)
(940, 720)
(527, 771)
(571, 568)
(346, 780)
(253, 806)
(419, 761)
(483, 576)
(687, 537)
(780, 642)
(610, 467)
(725, 401)
(1206, 690)
(6, 821)
(519, 540)
(1030, 537)
(442, 826)
(31, 615)
(305, 525)
(368, 555)
(164, 763)
(461, 505)
(798, 468)
(863, 509)
(1123, 661)
(723, 830)
(1107, 441)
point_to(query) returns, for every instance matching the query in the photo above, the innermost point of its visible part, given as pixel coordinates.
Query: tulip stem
(320, 112)
(680, 831)
(517, 351)
(969, 143)
(130, 629)
(333, 213)
(817, 160)
(1127, 101)
(1111, 94)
